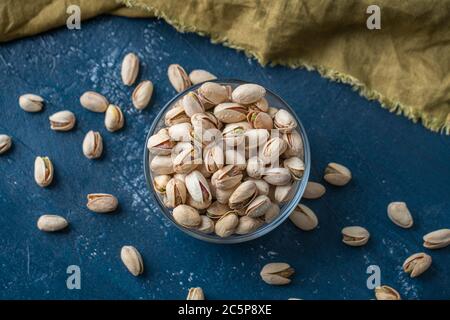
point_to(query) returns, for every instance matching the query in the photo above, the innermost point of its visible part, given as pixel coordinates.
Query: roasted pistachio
(314, 190)
(355, 236)
(236, 157)
(130, 69)
(294, 144)
(284, 193)
(176, 193)
(337, 175)
(213, 158)
(248, 93)
(31, 103)
(272, 150)
(227, 177)
(277, 273)
(198, 187)
(304, 218)
(295, 166)
(178, 77)
(259, 120)
(207, 225)
(199, 76)
(277, 176)
(272, 213)
(160, 143)
(142, 94)
(284, 121)
(94, 101)
(213, 93)
(187, 216)
(399, 214)
(162, 165)
(258, 206)
(386, 293)
(5, 143)
(43, 171)
(247, 225)
(114, 119)
(255, 167)
(417, 264)
(160, 183)
(176, 115)
(227, 224)
(243, 195)
(437, 239)
(132, 260)
(62, 121)
(230, 112)
(195, 294)
(102, 202)
(181, 132)
(93, 145)
(51, 223)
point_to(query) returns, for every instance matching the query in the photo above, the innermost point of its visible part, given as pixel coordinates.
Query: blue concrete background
(391, 159)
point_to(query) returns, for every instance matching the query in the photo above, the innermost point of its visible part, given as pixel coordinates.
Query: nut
(94, 101)
(31, 102)
(114, 119)
(93, 145)
(195, 294)
(386, 293)
(355, 236)
(187, 216)
(399, 214)
(227, 224)
(314, 190)
(5, 143)
(437, 239)
(417, 264)
(102, 202)
(337, 175)
(43, 171)
(130, 69)
(248, 93)
(51, 223)
(178, 77)
(142, 94)
(277, 273)
(132, 260)
(304, 218)
(62, 121)
(199, 76)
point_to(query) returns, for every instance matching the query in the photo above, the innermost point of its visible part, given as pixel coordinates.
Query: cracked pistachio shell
(243, 195)
(296, 167)
(192, 104)
(213, 93)
(161, 165)
(187, 160)
(277, 273)
(230, 112)
(417, 264)
(236, 157)
(258, 206)
(284, 121)
(227, 224)
(247, 225)
(261, 105)
(132, 260)
(260, 120)
(176, 193)
(226, 178)
(176, 115)
(187, 216)
(195, 294)
(273, 149)
(199, 205)
(213, 158)
(205, 121)
(5, 143)
(198, 187)
(31, 103)
(399, 214)
(51, 223)
(304, 218)
(130, 69)
(178, 77)
(284, 193)
(255, 167)
(437, 239)
(207, 225)
(62, 121)
(337, 174)
(199, 76)
(314, 190)
(256, 137)
(294, 144)
(262, 186)
(248, 93)
(386, 293)
(216, 210)
(160, 183)
(142, 94)
(223, 195)
(94, 101)
(272, 213)
(43, 171)
(114, 119)
(93, 145)
(234, 133)
(102, 202)
(355, 236)
(277, 176)
(181, 132)
(160, 143)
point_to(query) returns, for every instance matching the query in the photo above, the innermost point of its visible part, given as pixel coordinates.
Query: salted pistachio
(272, 112)
(205, 121)
(94, 101)
(337, 174)
(181, 132)
(277, 273)
(272, 150)
(114, 119)
(314, 190)
(294, 144)
(102, 202)
(262, 186)
(180, 176)
(261, 105)
(223, 195)
(142, 94)
(248, 93)
(230, 112)
(175, 193)
(437, 239)
(272, 213)
(277, 176)
(178, 77)
(92, 145)
(187, 216)
(198, 187)
(160, 183)
(227, 224)
(213, 93)
(386, 293)
(51, 223)
(175, 116)
(227, 177)
(62, 121)
(256, 137)
(5, 143)
(234, 133)
(255, 167)
(417, 264)
(236, 157)
(199, 205)
(304, 218)
(202, 169)
(195, 294)
(258, 206)
(162, 165)
(130, 69)
(284, 121)
(31, 102)
(199, 76)
(213, 158)
(206, 226)
(43, 171)
(243, 195)
(355, 236)
(259, 120)
(192, 104)
(284, 193)
(247, 225)
(132, 260)
(399, 214)
(296, 167)
(187, 160)
(216, 210)
(160, 143)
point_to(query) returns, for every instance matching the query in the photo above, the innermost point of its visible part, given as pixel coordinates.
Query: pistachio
(130, 69)
(216, 210)
(213, 93)
(259, 120)
(417, 264)
(132, 260)
(234, 133)
(205, 121)
(236, 157)
(284, 193)
(255, 167)
(31, 102)
(94, 101)
(102, 202)
(181, 132)
(227, 224)
(262, 186)
(272, 112)
(114, 119)
(277, 176)
(160, 183)
(198, 187)
(258, 206)
(337, 175)
(223, 195)
(162, 165)
(192, 104)
(399, 214)
(93, 145)
(272, 213)
(51, 223)
(256, 138)
(437, 239)
(386, 293)
(43, 171)
(62, 121)
(175, 193)
(294, 144)
(284, 121)
(207, 225)
(277, 273)
(243, 195)
(247, 225)
(314, 190)
(178, 77)
(230, 112)
(262, 105)
(272, 150)
(227, 177)
(213, 158)
(160, 143)
(304, 218)
(187, 160)
(355, 236)
(142, 94)
(248, 93)
(199, 76)
(195, 294)
(199, 205)
(295, 166)
(5, 143)
(187, 216)
(175, 116)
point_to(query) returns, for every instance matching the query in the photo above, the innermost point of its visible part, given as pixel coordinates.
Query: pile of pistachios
(225, 160)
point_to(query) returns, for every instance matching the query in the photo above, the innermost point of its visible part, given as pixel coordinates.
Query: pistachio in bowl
(227, 161)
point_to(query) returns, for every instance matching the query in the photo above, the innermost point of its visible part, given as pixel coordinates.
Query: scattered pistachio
(62, 121)
(277, 273)
(399, 214)
(195, 294)
(93, 145)
(5, 143)
(31, 102)
(355, 236)
(199, 76)
(43, 171)
(314, 190)
(178, 77)
(417, 264)
(51, 223)
(304, 218)
(386, 293)
(142, 94)
(337, 175)
(102, 202)
(132, 260)
(114, 119)
(437, 239)
(94, 101)
(130, 69)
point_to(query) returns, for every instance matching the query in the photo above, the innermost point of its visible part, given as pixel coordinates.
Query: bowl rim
(265, 229)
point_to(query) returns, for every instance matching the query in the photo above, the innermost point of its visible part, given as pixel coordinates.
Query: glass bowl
(285, 209)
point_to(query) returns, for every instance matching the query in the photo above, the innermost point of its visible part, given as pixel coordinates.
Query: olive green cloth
(405, 65)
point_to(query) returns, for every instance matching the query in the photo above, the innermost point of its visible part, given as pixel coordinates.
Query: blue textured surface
(390, 157)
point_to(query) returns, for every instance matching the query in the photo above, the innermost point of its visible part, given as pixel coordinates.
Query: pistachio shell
(226, 225)
(62, 121)
(260, 120)
(181, 132)
(94, 101)
(142, 94)
(337, 175)
(256, 138)
(277, 273)
(437, 239)
(255, 167)
(247, 225)
(243, 195)
(284, 121)
(5, 143)
(304, 218)
(160, 143)
(294, 144)
(43, 171)
(386, 293)
(230, 112)
(248, 93)
(199, 76)
(192, 104)
(295, 166)
(314, 190)
(132, 260)
(130, 69)
(399, 214)
(30, 102)
(176, 115)
(262, 105)
(258, 206)
(102, 202)
(355, 236)
(160, 183)
(114, 119)
(198, 187)
(284, 193)
(162, 165)
(417, 264)
(187, 216)
(51, 223)
(227, 177)
(277, 176)
(213, 158)
(234, 134)
(213, 93)
(272, 150)
(176, 193)
(236, 157)
(93, 145)
(261, 185)
(195, 294)
(272, 213)
(178, 77)
(207, 225)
